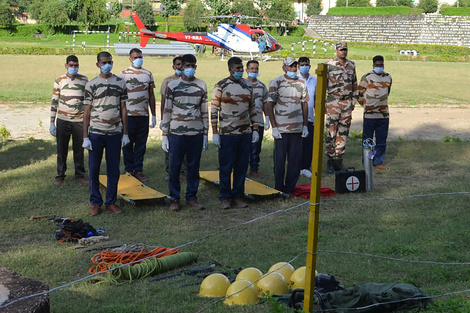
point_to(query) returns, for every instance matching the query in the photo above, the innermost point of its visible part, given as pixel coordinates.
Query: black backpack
(71, 230)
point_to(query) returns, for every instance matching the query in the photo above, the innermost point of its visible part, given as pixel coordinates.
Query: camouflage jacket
(342, 80)
(185, 110)
(373, 92)
(260, 96)
(288, 95)
(233, 108)
(138, 82)
(104, 95)
(67, 98)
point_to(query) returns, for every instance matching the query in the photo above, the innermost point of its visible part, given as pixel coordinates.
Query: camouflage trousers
(337, 123)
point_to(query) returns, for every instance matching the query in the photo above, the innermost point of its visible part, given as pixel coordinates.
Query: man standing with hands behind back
(140, 97)
(104, 126)
(342, 95)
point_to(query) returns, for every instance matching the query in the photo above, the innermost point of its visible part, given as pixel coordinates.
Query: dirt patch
(420, 122)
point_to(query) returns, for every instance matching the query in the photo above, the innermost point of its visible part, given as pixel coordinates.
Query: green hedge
(373, 10)
(49, 51)
(442, 50)
(456, 11)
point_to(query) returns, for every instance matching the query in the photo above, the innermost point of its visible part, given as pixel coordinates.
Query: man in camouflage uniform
(260, 95)
(67, 106)
(178, 68)
(140, 97)
(184, 128)
(287, 110)
(104, 126)
(374, 89)
(234, 114)
(342, 95)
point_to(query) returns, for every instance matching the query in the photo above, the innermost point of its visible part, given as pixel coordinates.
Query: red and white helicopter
(233, 37)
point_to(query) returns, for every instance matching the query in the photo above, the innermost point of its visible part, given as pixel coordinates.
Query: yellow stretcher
(130, 189)
(252, 188)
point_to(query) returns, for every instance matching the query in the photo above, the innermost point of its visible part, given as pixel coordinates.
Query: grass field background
(433, 228)
(28, 78)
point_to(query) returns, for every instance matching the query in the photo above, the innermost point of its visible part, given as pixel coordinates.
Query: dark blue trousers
(138, 131)
(112, 145)
(256, 151)
(307, 148)
(234, 153)
(191, 147)
(379, 126)
(288, 149)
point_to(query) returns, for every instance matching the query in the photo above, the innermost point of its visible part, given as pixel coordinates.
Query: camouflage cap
(289, 61)
(342, 44)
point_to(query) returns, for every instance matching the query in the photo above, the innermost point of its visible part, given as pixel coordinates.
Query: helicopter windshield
(270, 39)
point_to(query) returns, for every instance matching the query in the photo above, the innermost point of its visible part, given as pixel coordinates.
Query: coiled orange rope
(105, 258)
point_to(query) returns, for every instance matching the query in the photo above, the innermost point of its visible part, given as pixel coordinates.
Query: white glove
(52, 129)
(276, 133)
(216, 140)
(165, 144)
(87, 144)
(154, 121)
(266, 123)
(205, 143)
(304, 131)
(161, 124)
(254, 136)
(125, 140)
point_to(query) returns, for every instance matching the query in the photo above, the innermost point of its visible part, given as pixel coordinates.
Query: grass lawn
(433, 228)
(30, 77)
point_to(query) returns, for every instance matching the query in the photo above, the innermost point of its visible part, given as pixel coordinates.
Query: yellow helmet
(274, 283)
(284, 268)
(241, 292)
(252, 274)
(214, 286)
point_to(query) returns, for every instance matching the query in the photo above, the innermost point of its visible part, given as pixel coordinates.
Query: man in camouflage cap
(342, 95)
(140, 97)
(233, 112)
(67, 106)
(105, 128)
(185, 126)
(288, 112)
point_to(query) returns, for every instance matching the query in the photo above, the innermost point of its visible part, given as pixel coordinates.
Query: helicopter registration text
(193, 37)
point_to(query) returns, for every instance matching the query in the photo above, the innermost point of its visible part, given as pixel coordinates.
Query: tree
(314, 7)
(428, 6)
(264, 6)
(172, 8)
(72, 8)
(405, 3)
(6, 14)
(53, 14)
(282, 10)
(386, 3)
(244, 7)
(92, 12)
(144, 10)
(219, 7)
(116, 8)
(353, 3)
(192, 15)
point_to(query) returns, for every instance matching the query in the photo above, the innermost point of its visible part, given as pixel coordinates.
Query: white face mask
(378, 70)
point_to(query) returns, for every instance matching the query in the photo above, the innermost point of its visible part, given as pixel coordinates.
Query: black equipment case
(350, 180)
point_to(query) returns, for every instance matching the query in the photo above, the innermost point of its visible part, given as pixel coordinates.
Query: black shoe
(330, 166)
(338, 164)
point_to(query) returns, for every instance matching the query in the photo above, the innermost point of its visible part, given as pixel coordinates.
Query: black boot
(330, 166)
(338, 164)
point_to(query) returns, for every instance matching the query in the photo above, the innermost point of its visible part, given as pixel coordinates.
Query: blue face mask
(106, 69)
(138, 62)
(304, 69)
(189, 72)
(253, 75)
(178, 72)
(237, 75)
(378, 70)
(292, 75)
(72, 70)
